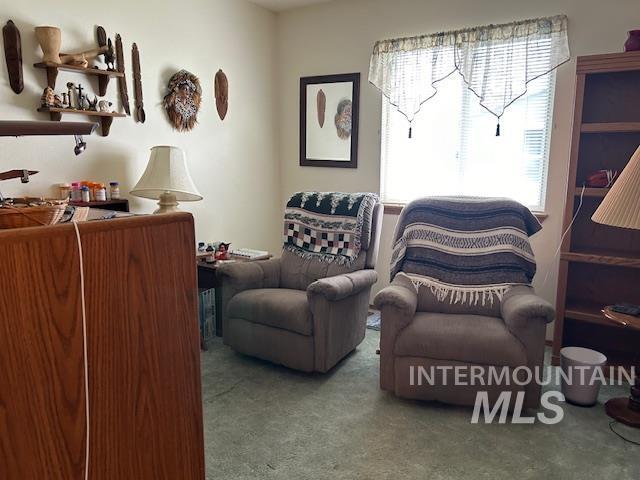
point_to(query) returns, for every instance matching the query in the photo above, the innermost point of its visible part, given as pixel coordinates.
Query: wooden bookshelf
(599, 265)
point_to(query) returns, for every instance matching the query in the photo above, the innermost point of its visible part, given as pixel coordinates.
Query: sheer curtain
(454, 152)
(496, 62)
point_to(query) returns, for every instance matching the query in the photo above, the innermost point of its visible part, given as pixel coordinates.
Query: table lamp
(167, 179)
(621, 208)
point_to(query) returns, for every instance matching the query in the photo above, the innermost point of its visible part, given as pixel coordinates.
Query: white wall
(338, 38)
(233, 163)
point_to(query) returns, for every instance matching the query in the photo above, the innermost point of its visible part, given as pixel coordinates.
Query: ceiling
(282, 5)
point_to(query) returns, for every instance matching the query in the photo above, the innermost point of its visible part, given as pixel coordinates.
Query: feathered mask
(182, 102)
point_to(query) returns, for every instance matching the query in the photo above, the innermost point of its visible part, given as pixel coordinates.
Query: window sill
(396, 208)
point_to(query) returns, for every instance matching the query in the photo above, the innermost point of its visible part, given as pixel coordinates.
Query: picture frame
(329, 117)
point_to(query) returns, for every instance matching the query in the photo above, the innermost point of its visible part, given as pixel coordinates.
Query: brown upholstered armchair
(419, 331)
(300, 313)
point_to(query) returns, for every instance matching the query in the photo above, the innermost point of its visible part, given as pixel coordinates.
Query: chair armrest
(521, 305)
(343, 286)
(398, 304)
(248, 275)
(401, 295)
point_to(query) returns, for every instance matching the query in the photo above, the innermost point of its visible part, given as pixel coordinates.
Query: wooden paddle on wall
(122, 81)
(137, 84)
(13, 55)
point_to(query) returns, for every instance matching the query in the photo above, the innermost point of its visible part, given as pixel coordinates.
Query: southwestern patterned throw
(328, 226)
(465, 249)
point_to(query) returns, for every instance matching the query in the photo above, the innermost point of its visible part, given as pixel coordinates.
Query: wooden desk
(142, 346)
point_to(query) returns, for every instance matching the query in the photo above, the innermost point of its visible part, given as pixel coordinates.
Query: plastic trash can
(577, 387)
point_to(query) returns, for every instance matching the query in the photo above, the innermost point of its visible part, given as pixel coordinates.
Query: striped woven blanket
(328, 226)
(465, 249)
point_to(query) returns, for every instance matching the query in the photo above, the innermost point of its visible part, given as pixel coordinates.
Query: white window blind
(454, 150)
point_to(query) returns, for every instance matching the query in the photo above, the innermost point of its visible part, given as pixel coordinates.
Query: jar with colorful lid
(86, 196)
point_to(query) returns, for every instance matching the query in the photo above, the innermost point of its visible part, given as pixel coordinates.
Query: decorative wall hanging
(137, 84)
(183, 100)
(221, 87)
(336, 145)
(109, 55)
(13, 55)
(321, 101)
(122, 81)
(496, 62)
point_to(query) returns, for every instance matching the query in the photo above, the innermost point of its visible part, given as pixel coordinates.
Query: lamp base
(618, 409)
(626, 409)
(167, 203)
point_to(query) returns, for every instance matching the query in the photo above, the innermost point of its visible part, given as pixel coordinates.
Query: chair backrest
(298, 273)
(474, 217)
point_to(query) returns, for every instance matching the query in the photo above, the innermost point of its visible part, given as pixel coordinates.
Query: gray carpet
(267, 422)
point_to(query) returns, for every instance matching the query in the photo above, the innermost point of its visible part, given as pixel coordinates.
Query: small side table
(625, 409)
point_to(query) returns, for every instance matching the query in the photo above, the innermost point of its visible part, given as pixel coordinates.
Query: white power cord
(85, 354)
(553, 259)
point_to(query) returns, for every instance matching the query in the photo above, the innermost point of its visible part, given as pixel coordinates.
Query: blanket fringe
(457, 294)
(322, 257)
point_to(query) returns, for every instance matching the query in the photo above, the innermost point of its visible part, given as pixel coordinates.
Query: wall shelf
(106, 118)
(103, 75)
(120, 205)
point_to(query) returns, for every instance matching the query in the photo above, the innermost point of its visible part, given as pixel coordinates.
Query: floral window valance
(496, 62)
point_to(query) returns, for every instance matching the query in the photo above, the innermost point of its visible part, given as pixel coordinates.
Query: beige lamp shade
(167, 172)
(621, 206)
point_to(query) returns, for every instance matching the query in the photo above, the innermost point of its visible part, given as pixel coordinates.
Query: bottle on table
(114, 190)
(101, 193)
(86, 196)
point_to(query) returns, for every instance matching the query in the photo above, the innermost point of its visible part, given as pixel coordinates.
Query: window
(454, 150)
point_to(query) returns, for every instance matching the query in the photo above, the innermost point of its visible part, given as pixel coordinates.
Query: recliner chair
(301, 313)
(421, 333)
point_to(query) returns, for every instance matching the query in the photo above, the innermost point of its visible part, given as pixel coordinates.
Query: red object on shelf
(223, 251)
(601, 179)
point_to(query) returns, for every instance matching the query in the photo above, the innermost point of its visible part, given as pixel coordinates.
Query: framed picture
(329, 107)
